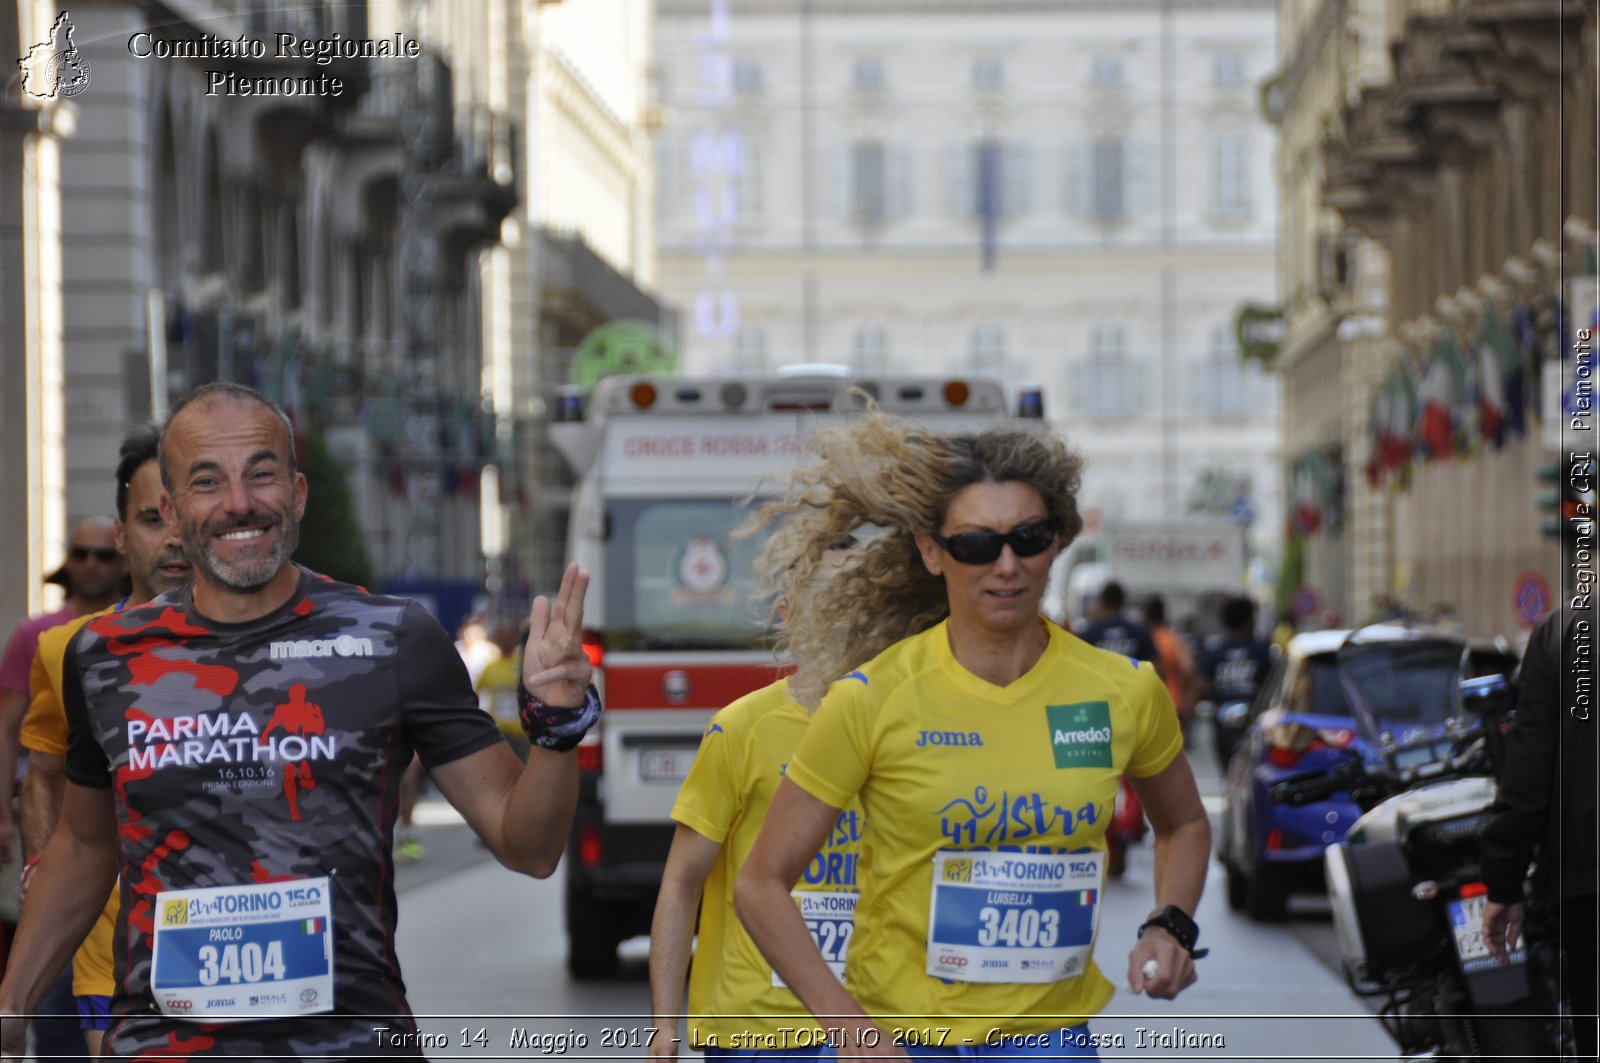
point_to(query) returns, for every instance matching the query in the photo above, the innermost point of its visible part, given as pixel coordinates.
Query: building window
(667, 183)
(1230, 178)
(869, 348)
(750, 182)
(1106, 71)
(1227, 69)
(750, 348)
(747, 79)
(1109, 179)
(1222, 384)
(1105, 383)
(868, 75)
(1102, 387)
(990, 177)
(1106, 339)
(986, 348)
(872, 183)
(1107, 175)
(988, 73)
(869, 201)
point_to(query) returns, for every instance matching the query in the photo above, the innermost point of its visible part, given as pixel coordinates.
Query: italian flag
(1500, 364)
(1440, 392)
(1083, 897)
(314, 926)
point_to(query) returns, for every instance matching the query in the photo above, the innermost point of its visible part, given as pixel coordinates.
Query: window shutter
(898, 177)
(841, 183)
(1141, 177)
(961, 165)
(667, 183)
(1015, 181)
(1137, 391)
(750, 183)
(1080, 190)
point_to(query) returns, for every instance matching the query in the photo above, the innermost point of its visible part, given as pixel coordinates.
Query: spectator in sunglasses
(92, 575)
(967, 727)
(93, 572)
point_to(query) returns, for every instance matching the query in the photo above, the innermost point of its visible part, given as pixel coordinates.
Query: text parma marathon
(283, 46)
(214, 738)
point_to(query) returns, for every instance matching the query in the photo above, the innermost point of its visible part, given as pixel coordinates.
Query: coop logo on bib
(1080, 735)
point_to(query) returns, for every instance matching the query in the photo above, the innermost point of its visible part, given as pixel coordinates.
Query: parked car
(1302, 723)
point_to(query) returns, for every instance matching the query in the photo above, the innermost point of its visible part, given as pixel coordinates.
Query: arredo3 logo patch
(1080, 734)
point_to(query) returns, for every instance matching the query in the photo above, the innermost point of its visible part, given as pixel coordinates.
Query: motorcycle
(1405, 884)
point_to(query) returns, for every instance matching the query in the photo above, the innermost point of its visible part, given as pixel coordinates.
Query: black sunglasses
(103, 554)
(982, 548)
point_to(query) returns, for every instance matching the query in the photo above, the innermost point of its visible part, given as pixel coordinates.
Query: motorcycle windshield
(1408, 686)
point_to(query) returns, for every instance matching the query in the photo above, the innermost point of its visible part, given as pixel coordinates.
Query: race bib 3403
(1012, 917)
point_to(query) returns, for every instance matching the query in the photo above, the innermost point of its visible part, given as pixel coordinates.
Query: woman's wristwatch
(1176, 921)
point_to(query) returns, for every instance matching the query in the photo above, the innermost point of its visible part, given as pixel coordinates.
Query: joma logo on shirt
(949, 738)
(343, 646)
(1080, 735)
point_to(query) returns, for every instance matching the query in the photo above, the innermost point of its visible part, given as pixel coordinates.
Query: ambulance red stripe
(711, 686)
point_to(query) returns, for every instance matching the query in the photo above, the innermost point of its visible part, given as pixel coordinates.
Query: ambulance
(672, 624)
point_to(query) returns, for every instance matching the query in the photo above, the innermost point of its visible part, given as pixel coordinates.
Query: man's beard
(246, 576)
(157, 581)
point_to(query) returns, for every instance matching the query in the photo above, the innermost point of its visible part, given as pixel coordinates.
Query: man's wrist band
(555, 727)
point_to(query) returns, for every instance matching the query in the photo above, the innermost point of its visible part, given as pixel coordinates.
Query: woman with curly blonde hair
(985, 746)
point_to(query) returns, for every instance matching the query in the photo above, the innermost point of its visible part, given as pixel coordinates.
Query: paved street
(483, 950)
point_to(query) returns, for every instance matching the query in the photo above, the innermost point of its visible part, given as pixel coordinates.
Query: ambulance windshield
(676, 577)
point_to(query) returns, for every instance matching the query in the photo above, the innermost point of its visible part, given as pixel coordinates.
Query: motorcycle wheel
(1238, 887)
(1266, 893)
(1512, 1038)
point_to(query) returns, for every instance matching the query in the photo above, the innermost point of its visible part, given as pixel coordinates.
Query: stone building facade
(1074, 194)
(368, 254)
(1438, 194)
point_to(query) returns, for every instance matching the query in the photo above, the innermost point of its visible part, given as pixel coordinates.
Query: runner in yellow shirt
(985, 747)
(155, 565)
(737, 1006)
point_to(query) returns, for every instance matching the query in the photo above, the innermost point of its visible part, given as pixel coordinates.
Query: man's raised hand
(554, 667)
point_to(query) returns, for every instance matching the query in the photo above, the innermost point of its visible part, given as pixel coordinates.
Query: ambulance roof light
(833, 369)
(1030, 402)
(642, 394)
(569, 405)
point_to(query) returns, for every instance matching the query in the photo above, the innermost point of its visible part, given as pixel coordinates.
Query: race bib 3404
(236, 953)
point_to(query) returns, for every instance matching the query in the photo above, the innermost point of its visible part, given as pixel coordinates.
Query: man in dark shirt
(236, 747)
(1546, 811)
(1232, 669)
(1110, 630)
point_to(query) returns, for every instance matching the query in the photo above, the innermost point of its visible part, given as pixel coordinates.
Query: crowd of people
(233, 754)
(223, 744)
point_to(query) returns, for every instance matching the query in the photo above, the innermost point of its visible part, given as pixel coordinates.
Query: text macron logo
(343, 646)
(1080, 734)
